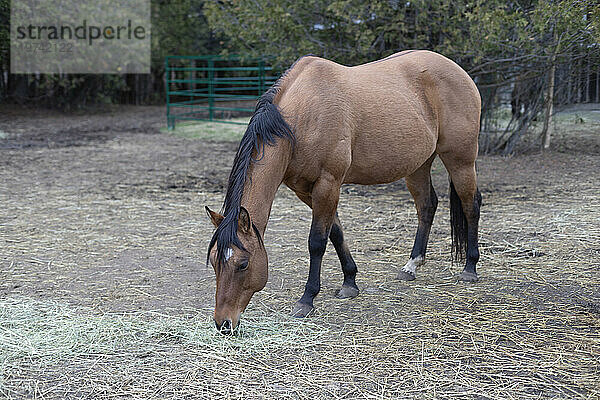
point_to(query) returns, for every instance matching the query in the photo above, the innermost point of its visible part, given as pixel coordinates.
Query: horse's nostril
(225, 328)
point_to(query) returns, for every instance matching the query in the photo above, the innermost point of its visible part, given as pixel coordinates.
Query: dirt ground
(105, 211)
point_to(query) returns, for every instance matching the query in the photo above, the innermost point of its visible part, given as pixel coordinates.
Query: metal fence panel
(210, 88)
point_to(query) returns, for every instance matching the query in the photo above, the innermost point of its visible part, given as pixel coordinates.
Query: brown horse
(322, 125)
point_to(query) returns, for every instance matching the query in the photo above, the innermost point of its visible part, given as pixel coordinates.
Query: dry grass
(46, 345)
(104, 293)
(211, 130)
(490, 350)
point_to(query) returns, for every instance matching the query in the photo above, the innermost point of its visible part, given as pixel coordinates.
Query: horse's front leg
(325, 197)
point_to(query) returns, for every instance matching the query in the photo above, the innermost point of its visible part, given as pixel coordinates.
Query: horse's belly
(376, 173)
(390, 158)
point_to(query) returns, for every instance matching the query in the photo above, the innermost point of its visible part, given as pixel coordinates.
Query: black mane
(265, 127)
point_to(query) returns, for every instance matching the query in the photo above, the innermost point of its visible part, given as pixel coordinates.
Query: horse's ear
(244, 222)
(215, 218)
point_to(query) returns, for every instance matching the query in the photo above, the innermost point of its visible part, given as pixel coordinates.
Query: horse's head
(240, 274)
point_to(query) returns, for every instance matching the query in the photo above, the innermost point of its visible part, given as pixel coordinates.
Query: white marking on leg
(412, 264)
(228, 254)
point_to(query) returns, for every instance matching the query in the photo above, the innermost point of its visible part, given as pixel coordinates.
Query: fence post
(168, 84)
(211, 88)
(261, 77)
(192, 85)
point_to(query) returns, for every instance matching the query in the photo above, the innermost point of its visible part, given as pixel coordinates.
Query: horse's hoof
(347, 292)
(302, 310)
(405, 276)
(467, 276)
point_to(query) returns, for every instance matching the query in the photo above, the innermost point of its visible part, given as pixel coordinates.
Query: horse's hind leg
(336, 235)
(465, 202)
(421, 189)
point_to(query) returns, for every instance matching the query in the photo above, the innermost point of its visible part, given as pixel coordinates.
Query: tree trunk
(569, 85)
(579, 80)
(137, 89)
(587, 79)
(598, 86)
(547, 130)
(515, 137)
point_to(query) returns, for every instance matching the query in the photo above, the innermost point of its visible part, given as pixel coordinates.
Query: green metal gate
(213, 88)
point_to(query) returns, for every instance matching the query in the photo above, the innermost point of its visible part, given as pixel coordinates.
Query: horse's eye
(243, 266)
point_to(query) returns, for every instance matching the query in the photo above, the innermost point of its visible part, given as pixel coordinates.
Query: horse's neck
(265, 176)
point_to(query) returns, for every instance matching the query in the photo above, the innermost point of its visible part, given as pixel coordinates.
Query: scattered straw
(46, 345)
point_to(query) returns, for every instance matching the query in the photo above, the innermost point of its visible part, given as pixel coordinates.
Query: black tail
(458, 223)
